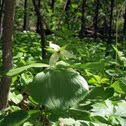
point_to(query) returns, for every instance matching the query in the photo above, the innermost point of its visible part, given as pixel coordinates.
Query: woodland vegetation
(63, 63)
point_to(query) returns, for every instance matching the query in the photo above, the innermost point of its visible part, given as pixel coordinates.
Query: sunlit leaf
(119, 86)
(19, 70)
(16, 98)
(69, 122)
(54, 58)
(67, 54)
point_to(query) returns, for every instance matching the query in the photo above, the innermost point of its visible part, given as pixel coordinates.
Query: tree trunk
(105, 28)
(67, 5)
(82, 31)
(111, 20)
(25, 15)
(38, 29)
(52, 2)
(95, 20)
(1, 16)
(124, 27)
(8, 22)
(42, 30)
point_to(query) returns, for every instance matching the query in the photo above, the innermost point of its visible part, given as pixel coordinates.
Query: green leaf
(50, 50)
(115, 113)
(100, 93)
(16, 98)
(103, 109)
(91, 123)
(67, 54)
(98, 66)
(120, 54)
(15, 119)
(59, 88)
(69, 122)
(121, 109)
(122, 121)
(112, 73)
(54, 58)
(99, 119)
(109, 92)
(62, 64)
(63, 47)
(98, 80)
(27, 124)
(14, 108)
(119, 86)
(19, 70)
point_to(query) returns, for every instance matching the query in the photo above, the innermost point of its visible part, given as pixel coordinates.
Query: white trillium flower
(54, 46)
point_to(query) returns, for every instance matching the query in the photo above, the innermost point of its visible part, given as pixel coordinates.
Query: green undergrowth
(55, 90)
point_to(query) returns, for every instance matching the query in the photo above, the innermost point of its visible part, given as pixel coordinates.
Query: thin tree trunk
(38, 29)
(111, 20)
(105, 27)
(67, 5)
(42, 30)
(67, 14)
(8, 22)
(82, 31)
(1, 16)
(25, 15)
(52, 2)
(95, 20)
(124, 27)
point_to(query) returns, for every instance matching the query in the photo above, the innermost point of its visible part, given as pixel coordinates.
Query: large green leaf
(59, 88)
(16, 71)
(15, 119)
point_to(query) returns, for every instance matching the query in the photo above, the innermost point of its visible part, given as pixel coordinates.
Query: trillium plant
(59, 87)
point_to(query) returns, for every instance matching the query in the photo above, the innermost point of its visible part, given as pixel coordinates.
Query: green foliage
(57, 92)
(16, 118)
(115, 114)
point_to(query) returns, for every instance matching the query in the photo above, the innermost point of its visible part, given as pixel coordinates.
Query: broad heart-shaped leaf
(16, 71)
(16, 118)
(59, 88)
